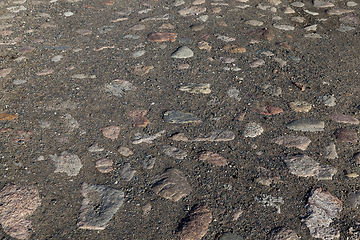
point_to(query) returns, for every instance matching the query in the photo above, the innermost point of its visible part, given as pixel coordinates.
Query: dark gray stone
(180, 117)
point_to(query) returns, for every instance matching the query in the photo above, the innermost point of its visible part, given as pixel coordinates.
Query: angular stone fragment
(282, 234)
(21, 136)
(265, 33)
(138, 117)
(4, 72)
(284, 27)
(175, 116)
(269, 110)
(119, 87)
(147, 138)
(216, 136)
(179, 137)
(190, 11)
(252, 130)
(300, 106)
(322, 208)
(341, 118)
(99, 205)
(126, 173)
(257, 63)
(104, 165)
(254, 23)
(345, 135)
(182, 52)
(196, 223)
(234, 93)
(204, 46)
(111, 132)
(213, 158)
(351, 19)
(306, 125)
(148, 162)
(172, 185)
(67, 163)
(292, 141)
(305, 166)
(84, 32)
(196, 88)
(224, 38)
(126, 152)
(174, 152)
(17, 203)
(338, 11)
(322, 4)
(327, 100)
(330, 151)
(353, 200)
(162, 37)
(266, 177)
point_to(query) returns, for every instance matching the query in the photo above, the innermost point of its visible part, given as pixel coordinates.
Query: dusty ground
(326, 66)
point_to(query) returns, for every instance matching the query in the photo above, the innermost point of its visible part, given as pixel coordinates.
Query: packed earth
(179, 119)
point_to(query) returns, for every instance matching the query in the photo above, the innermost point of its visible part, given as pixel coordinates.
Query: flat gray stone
(67, 163)
(305, 166)
(172, 185)
(230, 236)
(183, 52)
(196, 88)
(272, 90)
(342, 118)
(180, 117)
(329, 101)
(126, 173)
(306, 125)
(292, 141)
(99, 205)
(330, 151)
(322, 4)
(174, 152)
(343, 28)
(353, 200)
(252, 130)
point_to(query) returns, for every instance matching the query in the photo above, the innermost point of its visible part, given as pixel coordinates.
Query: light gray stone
(183, 52)
(306, 125)
(175, 116)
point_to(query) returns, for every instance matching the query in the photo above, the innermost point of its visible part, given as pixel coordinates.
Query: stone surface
(17, 204)
(216, 136)
(182, 52)
(329, 101)
(8, 116)
(270, 201)
(99, 205)
(196, 223)
(338, 11)
(230, 236)
(300, 106)
(111, 132)
(345, 135)
(212, 158)
(353, 200)
(306, 125)
(67, 163)
(233, 49)
(162, 37)
(190, 11)
(266, 177)
(305, 166)
(175, 116)
(341, 118)
(292, 141)
(174, 152)
(196, 88)
(322, 209)
(234, 93)
(269, 110)
(104, 165)
(125, 151)
(271, 90)
(252, 130)
(322, 4)
(119, 87)
(330, 151)
(357, 157)
(148, 162)
(265, 33)
(147, 138)
(138, 117)
(282, 234)
(126, 173)
(172, 185)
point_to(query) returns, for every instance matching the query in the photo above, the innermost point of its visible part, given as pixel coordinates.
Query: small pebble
(252, 130)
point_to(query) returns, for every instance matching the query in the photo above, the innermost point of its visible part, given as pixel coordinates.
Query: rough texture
(67, 163)
(213, 158)
(293, 141)
(322, 208)
(345, 135)
(196, 223)
(171, 185)
(17, 203)
(174, 152)
(252, 130)
(282, 234)
(99, 205)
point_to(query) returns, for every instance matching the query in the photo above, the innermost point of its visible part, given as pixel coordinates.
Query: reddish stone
(138, 117)
(345, 135)
(213, 158)
(111, 132)
(269, 110)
